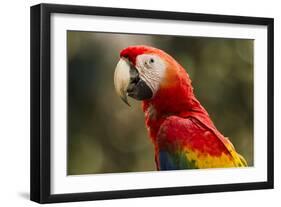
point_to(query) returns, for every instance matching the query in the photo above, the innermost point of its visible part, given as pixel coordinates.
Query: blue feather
(166, 161)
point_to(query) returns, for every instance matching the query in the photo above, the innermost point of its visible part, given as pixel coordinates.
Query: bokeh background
(107, 136)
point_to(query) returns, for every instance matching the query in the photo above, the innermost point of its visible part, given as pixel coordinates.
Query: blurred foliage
(106, 136)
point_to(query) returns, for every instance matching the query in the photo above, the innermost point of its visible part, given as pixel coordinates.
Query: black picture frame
(41, 99)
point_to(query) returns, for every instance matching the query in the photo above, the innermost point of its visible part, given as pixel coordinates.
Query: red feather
(175, 110)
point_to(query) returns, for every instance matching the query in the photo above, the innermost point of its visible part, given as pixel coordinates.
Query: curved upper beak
(122, 79)
(128, 82)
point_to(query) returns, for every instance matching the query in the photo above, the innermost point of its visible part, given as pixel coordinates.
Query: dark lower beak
(137, 88)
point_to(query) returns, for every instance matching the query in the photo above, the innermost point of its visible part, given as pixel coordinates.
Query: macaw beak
(122, 79)
(128, 82)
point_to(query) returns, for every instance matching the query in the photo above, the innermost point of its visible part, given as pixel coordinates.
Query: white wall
(14, 101)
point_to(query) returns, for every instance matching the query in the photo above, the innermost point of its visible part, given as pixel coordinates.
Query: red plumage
(176, 120)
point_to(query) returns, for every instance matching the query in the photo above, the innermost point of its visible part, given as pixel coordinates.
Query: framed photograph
(133, 103)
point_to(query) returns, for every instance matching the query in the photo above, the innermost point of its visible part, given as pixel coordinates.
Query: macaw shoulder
(187, 142)
(184, 131)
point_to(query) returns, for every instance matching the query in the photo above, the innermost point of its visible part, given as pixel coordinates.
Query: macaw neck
(178, 101)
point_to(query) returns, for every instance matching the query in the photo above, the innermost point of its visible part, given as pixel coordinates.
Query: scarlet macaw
(183, 135)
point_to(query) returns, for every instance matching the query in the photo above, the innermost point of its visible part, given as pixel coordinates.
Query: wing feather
(187, 143)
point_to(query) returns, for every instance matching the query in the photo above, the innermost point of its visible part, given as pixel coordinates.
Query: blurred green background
(107, 136)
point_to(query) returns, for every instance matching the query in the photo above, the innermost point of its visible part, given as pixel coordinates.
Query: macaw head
(149, 74)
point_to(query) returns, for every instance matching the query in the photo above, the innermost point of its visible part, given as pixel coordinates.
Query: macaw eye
(151, 60)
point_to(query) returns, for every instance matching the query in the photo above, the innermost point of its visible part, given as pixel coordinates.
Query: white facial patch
(151, 69)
